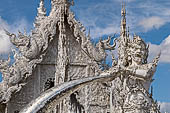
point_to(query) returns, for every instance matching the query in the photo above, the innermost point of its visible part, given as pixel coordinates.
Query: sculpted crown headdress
(58, 2)
(41, 10)
(138, 41)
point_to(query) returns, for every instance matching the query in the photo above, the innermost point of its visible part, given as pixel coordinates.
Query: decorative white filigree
(128, 92)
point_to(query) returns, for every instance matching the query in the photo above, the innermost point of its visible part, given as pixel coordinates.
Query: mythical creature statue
(131, 90)
(26, 45)
(98, 53)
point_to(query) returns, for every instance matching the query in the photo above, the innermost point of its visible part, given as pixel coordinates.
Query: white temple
(59, 70)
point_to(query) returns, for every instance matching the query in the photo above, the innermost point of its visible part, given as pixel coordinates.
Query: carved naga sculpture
(27, 46)
(98, 53)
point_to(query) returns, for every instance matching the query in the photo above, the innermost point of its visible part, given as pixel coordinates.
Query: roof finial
(124, 10)
(41, 13)
(41, 9)
(123, 21)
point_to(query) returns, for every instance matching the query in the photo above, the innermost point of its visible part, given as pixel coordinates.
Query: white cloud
(152, 22)
(165, 107)
(153, 51)
(98, 32)
(152, 14)
(5, 44)
(164, 47)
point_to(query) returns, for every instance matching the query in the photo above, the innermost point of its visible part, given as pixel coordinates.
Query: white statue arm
(148, 70)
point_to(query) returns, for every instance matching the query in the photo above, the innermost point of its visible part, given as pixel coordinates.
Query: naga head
(105, 44)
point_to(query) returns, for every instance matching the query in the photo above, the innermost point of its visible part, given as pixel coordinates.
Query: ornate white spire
(123, 40)
(41, 9)
(41, 13)
(123, 21)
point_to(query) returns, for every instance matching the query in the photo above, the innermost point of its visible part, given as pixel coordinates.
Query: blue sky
(148, 18)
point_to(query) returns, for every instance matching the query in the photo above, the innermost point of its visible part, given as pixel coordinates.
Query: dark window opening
(49, 84)
(16, 111)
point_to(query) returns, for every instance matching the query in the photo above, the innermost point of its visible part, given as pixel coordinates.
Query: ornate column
(62, 58)
(62, 49)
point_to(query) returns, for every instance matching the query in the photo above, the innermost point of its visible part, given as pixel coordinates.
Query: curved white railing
(62, 91)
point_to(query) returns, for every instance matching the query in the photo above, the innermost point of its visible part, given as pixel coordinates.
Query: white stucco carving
(77, 58)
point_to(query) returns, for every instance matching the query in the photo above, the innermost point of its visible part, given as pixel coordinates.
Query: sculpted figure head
(138, 51)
